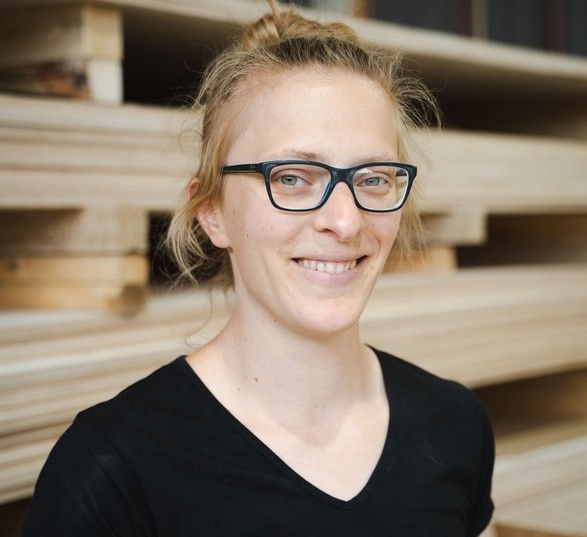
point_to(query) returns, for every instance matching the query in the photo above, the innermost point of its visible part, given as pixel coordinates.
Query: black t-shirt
(165, 458)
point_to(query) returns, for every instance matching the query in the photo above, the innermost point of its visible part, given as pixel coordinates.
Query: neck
(289, 377)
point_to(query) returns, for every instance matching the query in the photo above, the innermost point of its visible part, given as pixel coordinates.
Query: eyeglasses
(303, 185)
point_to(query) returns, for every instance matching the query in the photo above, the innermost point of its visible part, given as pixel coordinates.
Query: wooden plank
(526, 239)
(95, 231)
(504, 174)
(424, 260)
(514, 322)
(540, 481)
(52, 353)
(508, 530)
(414, 309)
(118, 283)
(461, 226)
(506, 346)
(69, 51)
(543, 470)
(118, 298)
(181, 312)
(84, 118)
(22, 456)
(56, 33)
(38, 189)
(64, 153)
(551, 398)
(77, 271)
(561, 514)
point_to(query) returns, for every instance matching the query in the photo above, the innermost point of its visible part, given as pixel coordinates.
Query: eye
(292, 177)
(288, 179)
(374, 181)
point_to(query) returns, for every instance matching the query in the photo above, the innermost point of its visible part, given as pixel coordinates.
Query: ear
(211, 217)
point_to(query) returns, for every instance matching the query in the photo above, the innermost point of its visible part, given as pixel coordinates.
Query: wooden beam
(538, 399)
(118, 283)
(560, 513)
(531, 239)
(94, 231)
(503, 174)
(459, 227)
(65, 50)
(439, 259)
(85, 119)
(545, 469)
(511, 320)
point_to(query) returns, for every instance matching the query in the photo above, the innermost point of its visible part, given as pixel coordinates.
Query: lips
(327, 267)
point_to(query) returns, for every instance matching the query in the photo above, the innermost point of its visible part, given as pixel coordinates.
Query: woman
(285, 423)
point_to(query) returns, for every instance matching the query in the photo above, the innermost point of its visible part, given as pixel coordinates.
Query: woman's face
(311, 272)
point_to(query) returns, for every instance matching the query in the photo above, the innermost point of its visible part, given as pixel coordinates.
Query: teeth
(327, 267)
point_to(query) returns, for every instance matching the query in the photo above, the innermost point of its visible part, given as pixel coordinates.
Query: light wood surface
(541, 491)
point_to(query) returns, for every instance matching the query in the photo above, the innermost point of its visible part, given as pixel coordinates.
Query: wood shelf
(81, 176)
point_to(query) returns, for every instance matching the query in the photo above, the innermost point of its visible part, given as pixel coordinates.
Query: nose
(340, 214)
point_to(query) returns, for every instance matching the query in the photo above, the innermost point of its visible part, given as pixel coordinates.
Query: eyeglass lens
(303, 186)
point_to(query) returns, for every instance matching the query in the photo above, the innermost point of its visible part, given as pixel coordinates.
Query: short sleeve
(85, 488)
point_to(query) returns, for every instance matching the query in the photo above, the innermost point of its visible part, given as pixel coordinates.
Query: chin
(329, 321)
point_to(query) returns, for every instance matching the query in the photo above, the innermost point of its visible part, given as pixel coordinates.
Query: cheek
(386, 229)
(249, 222)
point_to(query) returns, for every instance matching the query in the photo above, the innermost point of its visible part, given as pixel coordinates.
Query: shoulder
(421, 391)
(97, 470)
(161, 388)
(139, 418)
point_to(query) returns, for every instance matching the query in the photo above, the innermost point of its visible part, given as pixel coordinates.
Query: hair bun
(266, 30)
(279, 25)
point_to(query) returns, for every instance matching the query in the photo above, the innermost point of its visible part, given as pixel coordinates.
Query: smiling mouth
(328, 267)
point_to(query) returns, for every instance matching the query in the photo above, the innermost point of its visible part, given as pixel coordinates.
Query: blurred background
(97, 140)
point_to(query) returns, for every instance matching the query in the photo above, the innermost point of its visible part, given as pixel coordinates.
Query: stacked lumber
(483, 326)
(540, 490)
(78, 181)
(73, 51)
(81, 176)
(61, 154)
(98, 172)
(66, 363)
(540, 481)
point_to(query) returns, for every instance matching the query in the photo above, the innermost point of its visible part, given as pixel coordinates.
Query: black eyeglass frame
(337, 175)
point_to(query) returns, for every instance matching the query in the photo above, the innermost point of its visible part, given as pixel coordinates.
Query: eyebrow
(296, 154)
(299, 155)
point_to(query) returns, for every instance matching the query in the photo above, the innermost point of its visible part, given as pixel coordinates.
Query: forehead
(307, 108)
(265, 81)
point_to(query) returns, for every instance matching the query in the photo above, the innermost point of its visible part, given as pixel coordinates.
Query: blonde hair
(281, 41)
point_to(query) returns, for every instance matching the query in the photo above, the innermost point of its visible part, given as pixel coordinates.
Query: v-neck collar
(380, 468)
